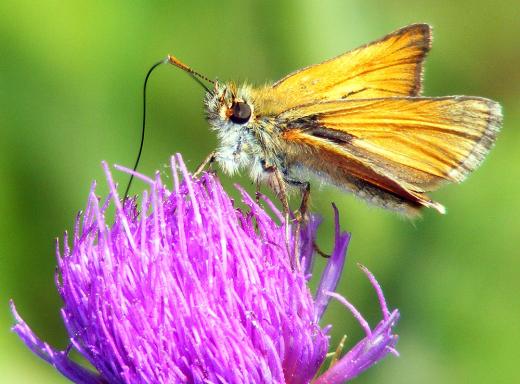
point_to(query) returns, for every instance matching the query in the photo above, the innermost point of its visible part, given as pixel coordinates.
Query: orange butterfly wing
(414, 143)
(391, 66)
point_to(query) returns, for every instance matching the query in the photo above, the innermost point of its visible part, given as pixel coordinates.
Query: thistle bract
(188, 288)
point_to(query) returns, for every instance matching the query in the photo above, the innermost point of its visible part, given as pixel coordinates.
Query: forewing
(391, 66)
(418, 143)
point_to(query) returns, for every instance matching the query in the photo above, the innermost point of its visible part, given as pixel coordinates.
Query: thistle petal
(190, 288)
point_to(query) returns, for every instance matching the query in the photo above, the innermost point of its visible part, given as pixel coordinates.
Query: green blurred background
(70, 89)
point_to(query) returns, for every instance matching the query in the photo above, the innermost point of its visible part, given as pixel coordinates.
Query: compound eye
(241, 113)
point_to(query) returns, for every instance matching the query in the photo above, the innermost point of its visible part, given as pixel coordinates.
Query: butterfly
(357, 121)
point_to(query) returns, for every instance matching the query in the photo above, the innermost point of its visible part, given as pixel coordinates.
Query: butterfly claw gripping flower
(192, 289)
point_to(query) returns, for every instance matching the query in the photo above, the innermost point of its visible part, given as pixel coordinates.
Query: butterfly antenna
(195, 75)
(144, 123)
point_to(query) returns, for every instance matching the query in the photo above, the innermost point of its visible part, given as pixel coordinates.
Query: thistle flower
(192, 289)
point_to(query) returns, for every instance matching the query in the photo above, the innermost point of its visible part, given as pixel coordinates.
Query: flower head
(190, 288)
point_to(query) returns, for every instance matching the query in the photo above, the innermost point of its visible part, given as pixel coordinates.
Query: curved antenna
(194, 75)
(144, 123)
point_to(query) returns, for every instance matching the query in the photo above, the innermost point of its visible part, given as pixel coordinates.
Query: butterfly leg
(301, 215)
(208, 160)
(306, 192)
(257, 193)
(305, 188)
(281, 191)
(278, 184)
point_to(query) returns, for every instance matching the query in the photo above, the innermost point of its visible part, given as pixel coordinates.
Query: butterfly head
(229, 105)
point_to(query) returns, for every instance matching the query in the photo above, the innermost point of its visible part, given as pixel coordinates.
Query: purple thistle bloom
(192, 289)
